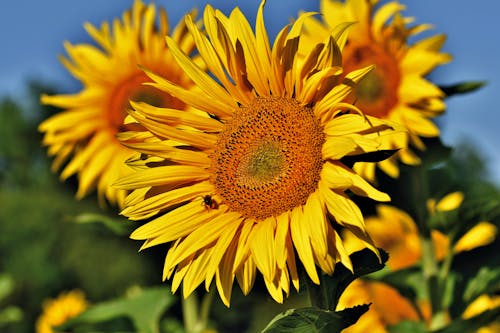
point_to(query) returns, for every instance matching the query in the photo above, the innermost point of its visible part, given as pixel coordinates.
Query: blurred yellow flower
(397, 88)
(403, 242)
(404, 248)
(253, 178)
(388, 306)
(59, 310)
(82, 137)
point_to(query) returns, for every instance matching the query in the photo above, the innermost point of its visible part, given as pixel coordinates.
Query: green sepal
(462, 87)
(375, 156)
(306, 320)
(144, 308)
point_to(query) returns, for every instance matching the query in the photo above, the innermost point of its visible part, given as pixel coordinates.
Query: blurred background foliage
(42, 250)
(48, 243)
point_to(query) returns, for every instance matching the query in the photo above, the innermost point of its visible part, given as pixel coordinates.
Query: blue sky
(32, 33)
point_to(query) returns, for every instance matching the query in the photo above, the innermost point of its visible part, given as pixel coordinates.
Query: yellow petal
(262, 247)
(481, 234)
(450, 201)
(302, 243)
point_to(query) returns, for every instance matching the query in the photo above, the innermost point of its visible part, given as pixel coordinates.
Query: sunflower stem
(206, 303)
(190, 312)
(196, 317)
(316, 292)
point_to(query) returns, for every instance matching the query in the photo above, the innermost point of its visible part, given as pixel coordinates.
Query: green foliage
(144, 308)
(43, 251)
(8, 314)
(487, 281)
(408, 326)
(472, 324)
(307, 320)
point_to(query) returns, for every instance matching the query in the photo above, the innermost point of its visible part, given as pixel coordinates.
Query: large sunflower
(256, 176)
(82, 137)
(396, 89)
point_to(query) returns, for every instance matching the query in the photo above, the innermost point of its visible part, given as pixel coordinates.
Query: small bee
(209, 202)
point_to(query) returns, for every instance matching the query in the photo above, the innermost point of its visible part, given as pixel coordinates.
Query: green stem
(190, 312)
(205, 309)
(316, 292)
(196, 318)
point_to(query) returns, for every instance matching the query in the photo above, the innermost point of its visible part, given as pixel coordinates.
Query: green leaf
(119, 226)
(306, 320)
(462, 87)
(408, 326)
(486, 281)
(448, 289)
(471, 324)
(364, 262)
(10, 314)
(6, 286)
(143, 307)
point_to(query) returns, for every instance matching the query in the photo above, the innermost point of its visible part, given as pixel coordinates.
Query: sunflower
(396, 89)
(255, 176)
(59, 310)
(83, 136)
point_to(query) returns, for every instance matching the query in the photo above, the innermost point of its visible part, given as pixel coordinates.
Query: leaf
(486, 281)
(10, 314)
(408, 326)
(306, 320)
(364, 262)
(116, 225)
(6, 286)
(462, 87)
(144, 308)
(471, 324)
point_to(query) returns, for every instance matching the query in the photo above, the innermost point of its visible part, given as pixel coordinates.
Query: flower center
(133, 89)
(268, 160)
(376, 93)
